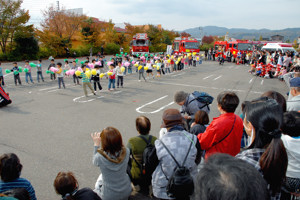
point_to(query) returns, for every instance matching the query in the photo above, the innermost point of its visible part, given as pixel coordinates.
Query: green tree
(25, 44)
(12, 19)
(156, 38)
(112, 48)
(260, 38)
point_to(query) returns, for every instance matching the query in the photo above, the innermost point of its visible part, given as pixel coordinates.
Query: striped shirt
(18, 183)
(85, 79)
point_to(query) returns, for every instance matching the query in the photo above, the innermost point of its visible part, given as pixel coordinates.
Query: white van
(283, 47)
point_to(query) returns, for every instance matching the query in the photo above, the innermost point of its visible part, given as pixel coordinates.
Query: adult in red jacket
(225, 132)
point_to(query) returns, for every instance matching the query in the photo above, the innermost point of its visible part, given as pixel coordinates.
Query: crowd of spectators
(211, 153)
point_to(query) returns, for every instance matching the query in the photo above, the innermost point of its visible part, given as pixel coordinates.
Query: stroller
(4, 98)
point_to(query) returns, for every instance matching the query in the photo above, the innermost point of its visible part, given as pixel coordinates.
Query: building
(277, 38)
(76, 11)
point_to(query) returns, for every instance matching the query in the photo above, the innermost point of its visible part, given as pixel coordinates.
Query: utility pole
(201, 33)
(57, 5)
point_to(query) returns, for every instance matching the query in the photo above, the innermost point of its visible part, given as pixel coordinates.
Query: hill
(240, 33)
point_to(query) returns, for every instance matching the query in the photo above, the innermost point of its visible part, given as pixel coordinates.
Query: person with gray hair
(226, 177)
(293, 104)
(189, 105)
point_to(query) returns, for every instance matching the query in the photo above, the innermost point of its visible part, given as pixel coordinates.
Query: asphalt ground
(49, 129)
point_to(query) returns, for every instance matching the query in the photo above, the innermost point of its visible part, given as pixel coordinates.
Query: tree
(132, 30)
(121, 39)
(185, 34)
(110, 32)
(25, 44)
(208, 39)
(12, 18)
(260, 38)
(58, 28)
(295, 45)
(92, 30)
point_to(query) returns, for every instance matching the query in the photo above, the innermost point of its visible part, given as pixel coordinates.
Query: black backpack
(181, 184)
(203, 98)
(146, 167)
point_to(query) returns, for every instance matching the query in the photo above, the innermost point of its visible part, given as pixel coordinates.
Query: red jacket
(114, 74)
(217, 130)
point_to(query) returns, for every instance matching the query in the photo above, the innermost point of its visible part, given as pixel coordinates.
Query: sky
(182, 14)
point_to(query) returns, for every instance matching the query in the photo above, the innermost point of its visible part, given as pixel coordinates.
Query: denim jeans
(111, 82)
(40, 74)
(141, 74)
(120, 81)
(129, 70)
(168, 70)
(28, 74)
(61, 81)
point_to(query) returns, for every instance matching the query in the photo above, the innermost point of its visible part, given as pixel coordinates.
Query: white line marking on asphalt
(47, 88)
(161, 108)
(60, 89)
(200, 86)
(217, 77)
(5, 75)
(155, 111)
(52, 88)
(178, 74)
(85, 101)
(262, 82)
(207, 77)
(110, 92)
(251, 80)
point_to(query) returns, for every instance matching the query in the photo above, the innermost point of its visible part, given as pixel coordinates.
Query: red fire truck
(139, 44)
(220, 47)
(185, 45)
(233, 47)
(240, 45)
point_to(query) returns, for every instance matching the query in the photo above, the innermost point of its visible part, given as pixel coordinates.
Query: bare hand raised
(96, 138)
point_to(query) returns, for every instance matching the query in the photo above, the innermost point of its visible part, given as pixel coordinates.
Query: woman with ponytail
(66, 185)
(266, 152)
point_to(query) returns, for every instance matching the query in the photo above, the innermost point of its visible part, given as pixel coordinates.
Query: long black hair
(266, 116)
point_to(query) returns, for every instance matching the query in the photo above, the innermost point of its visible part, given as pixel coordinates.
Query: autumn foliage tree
(92, 30)
(58, 29)
(208, 39)
(185, 34)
